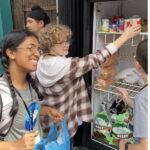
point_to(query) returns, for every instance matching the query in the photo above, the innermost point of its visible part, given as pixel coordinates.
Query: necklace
(51, 54)
(30, 113)
(144, 86)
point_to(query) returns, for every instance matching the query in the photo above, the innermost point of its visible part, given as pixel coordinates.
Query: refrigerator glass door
(112, 118)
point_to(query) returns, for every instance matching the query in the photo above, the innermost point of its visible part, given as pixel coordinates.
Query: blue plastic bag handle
(64, 129)
(53, 133)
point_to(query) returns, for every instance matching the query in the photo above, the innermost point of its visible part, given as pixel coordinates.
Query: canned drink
(112, 27)
(127, 23)
(105, 25)
(135, 21)
(100, 24)
(132, 22)
(120, 25)
(143, 25)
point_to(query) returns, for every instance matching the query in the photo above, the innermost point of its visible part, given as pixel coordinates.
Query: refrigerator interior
(103, 99)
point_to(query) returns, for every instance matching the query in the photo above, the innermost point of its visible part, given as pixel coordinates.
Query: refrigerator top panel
(136, 7)
(102, 0)
(125, 8)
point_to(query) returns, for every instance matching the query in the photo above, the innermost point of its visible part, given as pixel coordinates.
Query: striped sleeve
(6, 106)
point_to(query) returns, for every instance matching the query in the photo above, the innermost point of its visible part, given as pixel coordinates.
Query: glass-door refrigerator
(112, 117)
(96, 23)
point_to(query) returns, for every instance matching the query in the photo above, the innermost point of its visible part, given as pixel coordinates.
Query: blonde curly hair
(53, 34)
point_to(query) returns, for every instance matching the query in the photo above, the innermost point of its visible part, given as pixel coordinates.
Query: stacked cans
(117, 24)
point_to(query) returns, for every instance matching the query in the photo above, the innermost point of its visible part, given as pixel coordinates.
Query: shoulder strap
(6, 103)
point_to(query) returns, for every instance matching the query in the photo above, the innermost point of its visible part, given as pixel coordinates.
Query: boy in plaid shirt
(61, 78)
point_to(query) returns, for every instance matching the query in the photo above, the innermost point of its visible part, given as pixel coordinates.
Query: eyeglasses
(64, 43)
(32, 48)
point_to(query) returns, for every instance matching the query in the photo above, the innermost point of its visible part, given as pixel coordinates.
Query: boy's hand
(132, 31)
(122, 144)
(58, 116)
(127, 34)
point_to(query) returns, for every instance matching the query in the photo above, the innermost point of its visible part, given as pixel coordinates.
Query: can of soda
(127, 23)
(112, 27)
(120, 25)
(135, 21)
(99, 24)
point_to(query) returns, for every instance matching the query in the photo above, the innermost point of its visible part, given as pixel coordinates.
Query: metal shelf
(132, 89)
(91, 1)
(102, 142)
(108, 37)
(115, 33)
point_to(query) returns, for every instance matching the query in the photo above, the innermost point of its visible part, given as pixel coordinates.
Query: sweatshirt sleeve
(111, 48)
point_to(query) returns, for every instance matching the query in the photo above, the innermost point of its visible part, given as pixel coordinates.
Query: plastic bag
(55, 140)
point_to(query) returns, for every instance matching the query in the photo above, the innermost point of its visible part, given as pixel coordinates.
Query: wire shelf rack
(131, 88)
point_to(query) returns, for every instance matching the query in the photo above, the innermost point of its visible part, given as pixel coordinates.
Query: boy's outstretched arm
(127, 34)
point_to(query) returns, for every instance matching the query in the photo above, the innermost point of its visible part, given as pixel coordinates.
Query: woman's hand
(26, 142)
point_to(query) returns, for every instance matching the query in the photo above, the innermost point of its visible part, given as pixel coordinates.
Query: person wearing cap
(36, 19)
